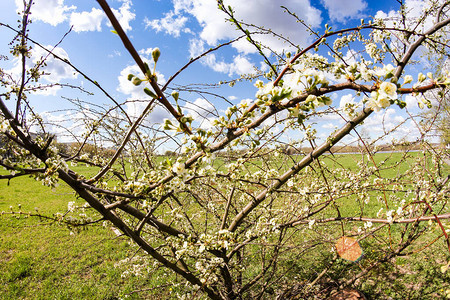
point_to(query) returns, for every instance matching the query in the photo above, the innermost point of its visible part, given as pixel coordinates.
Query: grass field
(42, 261)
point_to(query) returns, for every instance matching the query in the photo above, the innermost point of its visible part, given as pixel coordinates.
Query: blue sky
(181, 29)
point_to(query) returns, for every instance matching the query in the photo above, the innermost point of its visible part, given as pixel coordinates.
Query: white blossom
(388, 90)
(407, 79)
(389, 217)
(421, 77)
(4, 126)
(368, 225)
(371, 49)
(179, 168)
(71, 206)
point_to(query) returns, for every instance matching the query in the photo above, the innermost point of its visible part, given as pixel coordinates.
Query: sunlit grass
(39, 260)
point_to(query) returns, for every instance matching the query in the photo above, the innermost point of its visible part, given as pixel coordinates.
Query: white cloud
(329, 125)
(341, 10)
(196, 47)
(202, 111)
(124, 15)
(87, 21)
(52, 12)
(382, 122)
(156, 116)
(55, 12)
(240, 64)
(114, 54)
(200, 108)
(412, 7)
(414, 10)
(64, 125)
(411, 102)
(147, 52)
(348, 98)
(265, 13)
(171, 24)
(125, 86)
(351, 57)
(55, 70)
(129, 89)
(215, 29)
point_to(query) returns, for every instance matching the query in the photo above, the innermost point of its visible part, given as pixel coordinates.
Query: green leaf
(147, 69)
(150, 93)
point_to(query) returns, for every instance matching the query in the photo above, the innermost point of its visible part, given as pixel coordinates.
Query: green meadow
(40, 259)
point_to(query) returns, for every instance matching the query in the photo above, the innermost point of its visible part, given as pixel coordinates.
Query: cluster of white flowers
(368, 225)
(314, 61)
(71, 218)
(264, 228)
(389, 216)
(372, 50)
(71, 206)
(383, 97)
(407, 79)
(341, 42)
(264, 175)
(134, 187)
(4, 126)
(208, 268)
(295, 84)
(184, 246)
(235, 168)
(135, 266)
(81, 218)
(379, 35)
(54, 163)
(220, 240)
(269, 94)
(179, 168)
(304, 80)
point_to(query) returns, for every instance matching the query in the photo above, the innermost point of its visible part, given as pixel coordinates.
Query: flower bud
(310, 98)
(421, 77)
(155, 54)
(167, 125)
(175, 95)
(407, 79)
(136, 81)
